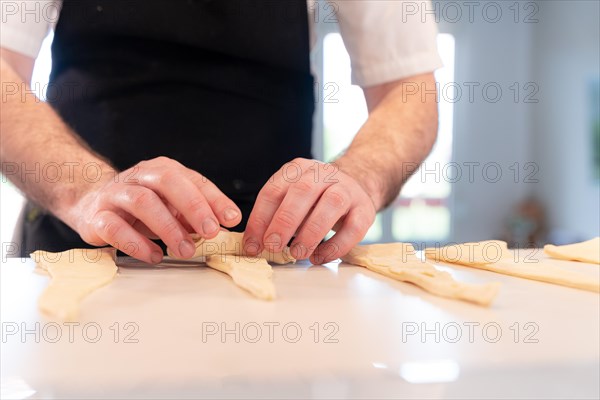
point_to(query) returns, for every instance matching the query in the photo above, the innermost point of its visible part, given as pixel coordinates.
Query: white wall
(566, 60)
(560, 54)
(486, 132)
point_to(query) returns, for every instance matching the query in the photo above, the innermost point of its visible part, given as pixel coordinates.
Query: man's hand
(159, 198)
(308, 198)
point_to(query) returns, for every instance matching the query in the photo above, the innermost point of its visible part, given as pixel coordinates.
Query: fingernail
(209, 225)
(156, 257)
(251, 246)
(187, 249)
(230, 214)
(316, 259)
(274, 240)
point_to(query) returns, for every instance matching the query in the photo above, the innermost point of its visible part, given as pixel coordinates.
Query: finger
(226, 211)
(115, 231)
(355, 226)
(175, 186)
(146, 206)
(294, 209)
(331, 207)
(144, 230)
(184, 222)
(268, 201)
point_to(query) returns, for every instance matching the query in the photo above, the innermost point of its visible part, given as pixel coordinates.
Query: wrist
(368, 178)
(78, 194)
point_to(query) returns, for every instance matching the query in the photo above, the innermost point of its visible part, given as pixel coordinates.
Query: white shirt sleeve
(387, 40)
(25, 24)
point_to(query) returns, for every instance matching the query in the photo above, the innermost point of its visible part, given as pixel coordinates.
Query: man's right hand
(158, 198)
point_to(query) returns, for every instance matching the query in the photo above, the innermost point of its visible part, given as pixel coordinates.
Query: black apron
(224, 87)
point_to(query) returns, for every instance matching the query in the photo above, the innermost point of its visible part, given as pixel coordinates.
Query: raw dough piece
(250, 273)
(525, 268)
(398, 261)
(231, 243)
(471, 254)
(587, 252)
(75, 274)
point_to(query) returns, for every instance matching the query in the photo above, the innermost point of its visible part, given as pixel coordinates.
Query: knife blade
(167, 262)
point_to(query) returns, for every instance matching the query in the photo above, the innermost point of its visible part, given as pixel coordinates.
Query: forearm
(39, 153)
(398, 135)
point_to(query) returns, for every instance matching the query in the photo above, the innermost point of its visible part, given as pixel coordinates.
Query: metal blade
(167, 262)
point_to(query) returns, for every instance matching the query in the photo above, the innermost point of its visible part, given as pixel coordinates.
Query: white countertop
(334, 331)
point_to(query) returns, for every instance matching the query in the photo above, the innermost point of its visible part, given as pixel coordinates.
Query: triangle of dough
(250, 273)
(503, 263)
(75, 273)
(232, 243)
(399, 261)
(587, 252)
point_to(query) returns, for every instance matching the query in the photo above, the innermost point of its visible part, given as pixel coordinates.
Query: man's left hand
(306, 199)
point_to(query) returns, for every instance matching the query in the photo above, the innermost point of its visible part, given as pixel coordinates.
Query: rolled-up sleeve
(387, 40)
(25, 24)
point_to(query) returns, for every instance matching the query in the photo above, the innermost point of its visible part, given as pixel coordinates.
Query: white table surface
(536, 340)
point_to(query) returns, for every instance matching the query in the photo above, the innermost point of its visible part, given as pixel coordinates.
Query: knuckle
(170, 227)
(358, 225)
(199, 179)
(335, 198)
(106, 227)
(221, 203)
(286, 219)
(273, 192)
(163, 160)
(167, 177)
(260, 223)
(314, 227)
(303, 186)
(142, 164)
(141, 198)
(197, 205)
